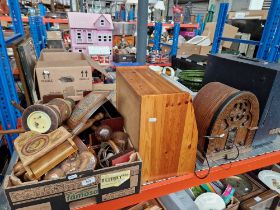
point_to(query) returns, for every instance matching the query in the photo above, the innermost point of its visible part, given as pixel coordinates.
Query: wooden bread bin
(160, 120)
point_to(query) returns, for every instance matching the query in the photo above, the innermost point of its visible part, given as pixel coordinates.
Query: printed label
(81, 194)
(88, 181)
(274, 131)
(114, 179)
(239, 15)
(152, 119)
(74, 176)
(258, 199)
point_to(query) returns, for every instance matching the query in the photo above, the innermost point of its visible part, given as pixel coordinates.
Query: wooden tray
(257, 188)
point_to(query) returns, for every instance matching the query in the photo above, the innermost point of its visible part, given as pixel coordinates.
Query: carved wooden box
(41, 152)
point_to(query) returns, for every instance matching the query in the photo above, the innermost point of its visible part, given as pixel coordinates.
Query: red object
(178, 9)
(122, 159)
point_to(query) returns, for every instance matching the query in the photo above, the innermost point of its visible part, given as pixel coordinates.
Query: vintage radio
(226, 119)
(160, 121)
(258, 77)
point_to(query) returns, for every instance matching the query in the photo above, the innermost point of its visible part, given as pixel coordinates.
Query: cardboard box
(253, 14)
(82, 188)
(54, 35)
(129, 39)
(190, 49)
(99, 186)
(229, 32)
(64, 73)
(105, 87)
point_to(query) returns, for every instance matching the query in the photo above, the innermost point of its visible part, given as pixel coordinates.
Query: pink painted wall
(102, 42)
(94, 37)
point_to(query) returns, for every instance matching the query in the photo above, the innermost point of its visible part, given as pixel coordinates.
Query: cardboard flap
(95, 65)
(229, 32)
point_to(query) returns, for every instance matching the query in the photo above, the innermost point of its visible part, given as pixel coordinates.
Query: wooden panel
(146, 82)
(128, 104)
(189, 142)
(160, 121)
(53, 158)
(162, 136)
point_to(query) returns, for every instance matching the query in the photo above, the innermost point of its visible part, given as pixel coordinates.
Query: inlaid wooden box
(160, 120)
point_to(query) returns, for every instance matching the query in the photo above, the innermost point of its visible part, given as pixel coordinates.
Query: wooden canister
(45, 118)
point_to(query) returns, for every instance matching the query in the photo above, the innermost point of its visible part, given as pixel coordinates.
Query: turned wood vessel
(45, 118)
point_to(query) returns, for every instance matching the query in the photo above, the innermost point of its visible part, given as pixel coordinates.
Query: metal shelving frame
(157, 38)
(8, 114)
(269, 44)
(38, 33)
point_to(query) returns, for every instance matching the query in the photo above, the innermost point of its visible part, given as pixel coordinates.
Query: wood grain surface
(160, 120)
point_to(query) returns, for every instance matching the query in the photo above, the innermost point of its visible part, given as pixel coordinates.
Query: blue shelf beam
(157, 35)
(16, 17)
(38, 33)
(8, 114)
(219, 27)
(13, 38)
(240, 41)
(43, 12)
(269, 44)
(176, 32)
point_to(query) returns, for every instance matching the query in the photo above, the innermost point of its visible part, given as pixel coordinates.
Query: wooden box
(234, 205)
(129, 39)
(76, 190)
(266, 200)
(160, 120)
(124, 58)
(41, 152)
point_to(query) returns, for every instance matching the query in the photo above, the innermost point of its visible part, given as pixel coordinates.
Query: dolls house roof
(88, 20)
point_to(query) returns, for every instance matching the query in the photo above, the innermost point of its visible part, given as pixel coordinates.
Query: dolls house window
(110, 38)
(102, 22)
(79, 35)
(105, 38)
(89, 36)
(99, 38)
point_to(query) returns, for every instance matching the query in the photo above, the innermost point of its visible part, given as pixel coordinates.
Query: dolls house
(92, 34)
